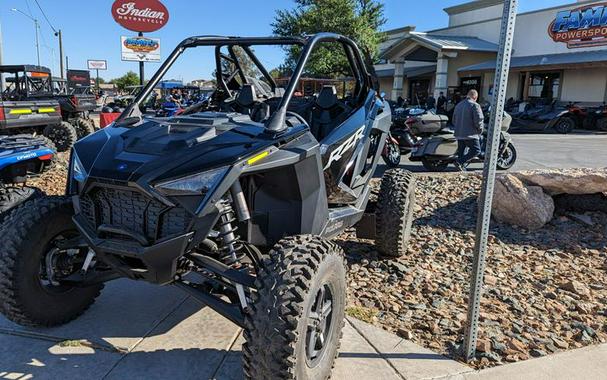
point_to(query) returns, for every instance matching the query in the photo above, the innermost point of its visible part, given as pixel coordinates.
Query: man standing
(468, 124)
(441, 103)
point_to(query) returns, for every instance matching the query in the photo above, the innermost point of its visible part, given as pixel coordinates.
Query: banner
(141, 49)
(96, 64)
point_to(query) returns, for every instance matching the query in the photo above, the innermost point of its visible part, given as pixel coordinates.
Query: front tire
(62, 135)
(294, 327)
(394, 212)
(507, 159)
(29, 235)
(391, 154)
(601, 124)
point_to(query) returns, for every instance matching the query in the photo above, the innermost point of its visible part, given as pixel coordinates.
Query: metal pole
(60, 52)
(1, 62)
(67, 63)
(97, 80)
(141, 66)
(486, 196)
(37, 44)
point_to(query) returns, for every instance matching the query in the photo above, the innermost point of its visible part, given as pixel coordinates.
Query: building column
(526, 84)
(442, 74)
(397, 85)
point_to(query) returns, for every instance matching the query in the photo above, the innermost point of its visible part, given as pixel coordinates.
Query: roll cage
(276, 122)
(25, 81)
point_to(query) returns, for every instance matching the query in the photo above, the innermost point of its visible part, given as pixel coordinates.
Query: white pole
(37, 42)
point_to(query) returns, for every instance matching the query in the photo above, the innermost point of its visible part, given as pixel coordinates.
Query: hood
(158, 149)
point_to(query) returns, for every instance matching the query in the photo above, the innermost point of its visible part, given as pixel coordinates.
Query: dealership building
(560, 53)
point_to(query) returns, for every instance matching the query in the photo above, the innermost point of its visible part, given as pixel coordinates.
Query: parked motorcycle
(438, 149)
(401, 132)
(391, 152)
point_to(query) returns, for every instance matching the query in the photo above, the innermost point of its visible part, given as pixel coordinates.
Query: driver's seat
(326, 112)
(247, 102)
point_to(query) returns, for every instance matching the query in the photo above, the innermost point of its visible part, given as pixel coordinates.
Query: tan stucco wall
(385, 85)
(584, 85)
(465, 59)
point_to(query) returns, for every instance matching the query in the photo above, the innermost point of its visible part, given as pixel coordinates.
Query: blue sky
(89, 31)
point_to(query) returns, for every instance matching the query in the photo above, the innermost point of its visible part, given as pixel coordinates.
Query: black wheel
(295, 323)
(507, 159)
(435, 165)
(391, 154)
(62, 135)
(394, 212)
(83, 127)
(564, 125)
(13, 196)
(601, 124)
(32, 265)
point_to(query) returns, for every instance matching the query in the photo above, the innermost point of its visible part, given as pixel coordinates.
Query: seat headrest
(327, 97)
(247, 95)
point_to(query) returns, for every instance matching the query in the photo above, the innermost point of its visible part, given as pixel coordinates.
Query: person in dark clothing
(441, 103)
(468, 125)
(430, 102)
(400, 101)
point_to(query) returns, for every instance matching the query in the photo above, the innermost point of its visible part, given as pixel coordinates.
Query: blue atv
(22, 156)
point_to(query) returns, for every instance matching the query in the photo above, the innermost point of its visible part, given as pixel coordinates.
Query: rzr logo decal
(338, 153)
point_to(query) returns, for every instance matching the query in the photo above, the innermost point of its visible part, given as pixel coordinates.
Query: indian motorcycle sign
(585, 26)
(140, 15)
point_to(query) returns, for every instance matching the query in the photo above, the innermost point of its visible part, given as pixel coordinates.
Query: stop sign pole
(486, 196)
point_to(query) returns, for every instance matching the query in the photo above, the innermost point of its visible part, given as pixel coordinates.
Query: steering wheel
(298, 117)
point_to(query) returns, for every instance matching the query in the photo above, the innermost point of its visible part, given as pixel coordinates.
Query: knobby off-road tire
(13, 196)
(26, 238)
(62, 135)
(84, 127)
(394, 212)
(302, 276)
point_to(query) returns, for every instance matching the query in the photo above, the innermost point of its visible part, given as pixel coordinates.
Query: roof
(409, 73)
(544, 60)
(20, 68)
(472, 5)
(439, 42)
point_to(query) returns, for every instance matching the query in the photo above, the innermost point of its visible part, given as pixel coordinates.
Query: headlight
(78, 172)
(197, 184)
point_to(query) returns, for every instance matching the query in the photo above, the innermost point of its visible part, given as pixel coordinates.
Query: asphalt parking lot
(541, 151)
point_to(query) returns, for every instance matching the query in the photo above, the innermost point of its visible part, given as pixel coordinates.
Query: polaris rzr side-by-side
(22, 156)
(234, 201)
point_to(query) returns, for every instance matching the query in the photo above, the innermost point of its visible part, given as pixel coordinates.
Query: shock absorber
(230, 249)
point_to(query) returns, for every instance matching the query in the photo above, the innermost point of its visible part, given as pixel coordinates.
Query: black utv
(76, 100)
(235, 202)
(28, 106)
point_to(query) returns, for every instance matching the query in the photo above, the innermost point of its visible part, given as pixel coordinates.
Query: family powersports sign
(585, 26)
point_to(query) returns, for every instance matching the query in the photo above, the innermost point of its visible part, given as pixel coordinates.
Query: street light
(35, 26)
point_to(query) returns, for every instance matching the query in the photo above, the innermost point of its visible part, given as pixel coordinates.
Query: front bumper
(156, 263)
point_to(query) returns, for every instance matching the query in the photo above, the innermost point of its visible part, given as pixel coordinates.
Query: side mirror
(382, 95)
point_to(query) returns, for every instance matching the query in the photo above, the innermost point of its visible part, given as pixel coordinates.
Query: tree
(128, 79)
(360, 20)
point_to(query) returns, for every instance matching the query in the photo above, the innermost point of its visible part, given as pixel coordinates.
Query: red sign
(140, 15)
(584, 26)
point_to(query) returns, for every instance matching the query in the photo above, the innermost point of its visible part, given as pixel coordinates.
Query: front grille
(132, 211)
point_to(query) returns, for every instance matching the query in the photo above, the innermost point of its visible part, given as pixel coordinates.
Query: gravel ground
(545, 291)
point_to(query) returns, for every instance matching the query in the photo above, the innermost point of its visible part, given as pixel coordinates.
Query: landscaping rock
(568, 181)
(521, 205)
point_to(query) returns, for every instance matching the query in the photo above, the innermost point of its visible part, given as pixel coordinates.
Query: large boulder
(567, 181)
(519, 204)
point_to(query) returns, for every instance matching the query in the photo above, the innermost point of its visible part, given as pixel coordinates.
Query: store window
(544, 85)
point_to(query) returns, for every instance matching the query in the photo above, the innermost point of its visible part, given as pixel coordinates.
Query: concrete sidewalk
(136, 330)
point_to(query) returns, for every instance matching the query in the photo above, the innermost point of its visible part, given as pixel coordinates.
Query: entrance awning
(438, 43)
(590, 58)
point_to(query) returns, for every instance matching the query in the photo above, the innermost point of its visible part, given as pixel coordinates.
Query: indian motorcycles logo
(581, 27)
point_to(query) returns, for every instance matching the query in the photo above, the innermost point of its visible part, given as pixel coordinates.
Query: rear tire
(62, 135)
(83, 127)
(28, 237)
(394, 212)
(301, 295)
(13, 196)
(601, 124)
(435, 165)
(564, 125)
